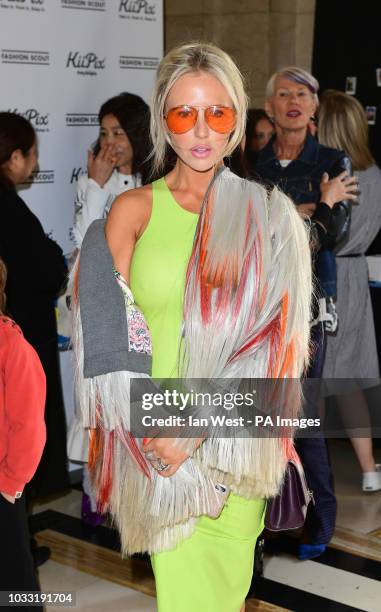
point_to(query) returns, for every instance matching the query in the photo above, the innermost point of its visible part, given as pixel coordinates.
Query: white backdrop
(60, 59)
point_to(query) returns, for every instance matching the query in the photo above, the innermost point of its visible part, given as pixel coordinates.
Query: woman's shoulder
(16, 351)
(238, 190)
(329, 153)
(139, 197)
(131, 208)
(254, 185)
(9, 330)
(14, 207)
(370, 175)
(9, 197)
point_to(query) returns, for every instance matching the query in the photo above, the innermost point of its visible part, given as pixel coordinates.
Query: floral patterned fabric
(139, 337)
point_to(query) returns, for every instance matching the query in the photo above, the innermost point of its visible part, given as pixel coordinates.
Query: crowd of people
(213, 242)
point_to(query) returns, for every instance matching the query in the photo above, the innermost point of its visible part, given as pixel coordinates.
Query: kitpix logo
(76, 174)
(86, 64)
(139, 10)
(19, 56)
(40, 121)
(85, 5)
(37, 6)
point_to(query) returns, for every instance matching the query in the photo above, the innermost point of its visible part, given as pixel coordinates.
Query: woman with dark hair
(117, 162)
(36, 273)
(259, 130)
(22, 438)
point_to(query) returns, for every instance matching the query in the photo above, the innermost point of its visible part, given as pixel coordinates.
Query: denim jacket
(300, 180)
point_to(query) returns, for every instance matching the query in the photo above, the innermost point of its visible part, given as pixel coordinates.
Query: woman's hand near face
(100, 167)
(342, 187)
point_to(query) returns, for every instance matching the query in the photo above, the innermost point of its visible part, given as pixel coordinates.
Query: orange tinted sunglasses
(181, 119)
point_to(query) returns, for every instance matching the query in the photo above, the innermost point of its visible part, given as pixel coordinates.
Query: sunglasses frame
(197, 109)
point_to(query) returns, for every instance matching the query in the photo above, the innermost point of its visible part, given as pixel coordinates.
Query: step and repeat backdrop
(59, 61)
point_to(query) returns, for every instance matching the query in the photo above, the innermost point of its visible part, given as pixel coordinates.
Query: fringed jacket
(246, 315)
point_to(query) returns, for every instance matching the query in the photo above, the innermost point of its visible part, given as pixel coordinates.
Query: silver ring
(160, 467)
(150, 455)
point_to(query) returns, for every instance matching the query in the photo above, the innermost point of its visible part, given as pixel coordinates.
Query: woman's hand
(100, 167)
(8, 497)
(342, 187)
(166, 451)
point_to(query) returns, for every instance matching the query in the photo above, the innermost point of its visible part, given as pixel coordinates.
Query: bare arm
(127, 220)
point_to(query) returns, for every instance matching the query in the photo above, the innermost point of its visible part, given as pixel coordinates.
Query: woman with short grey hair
(301, 167)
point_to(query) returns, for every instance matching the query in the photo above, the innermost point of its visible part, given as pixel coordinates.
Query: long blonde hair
(343, 125)
(195, 57)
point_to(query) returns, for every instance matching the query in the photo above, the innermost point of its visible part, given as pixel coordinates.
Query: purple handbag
(289, 508)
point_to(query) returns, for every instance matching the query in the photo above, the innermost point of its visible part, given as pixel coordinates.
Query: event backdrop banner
(60, 60)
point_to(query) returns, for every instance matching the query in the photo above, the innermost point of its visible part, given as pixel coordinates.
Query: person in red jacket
(22, 439)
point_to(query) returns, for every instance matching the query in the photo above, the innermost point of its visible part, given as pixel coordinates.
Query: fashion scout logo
(138, 63)
(81, 119)
(85, 5)
(37, 119)
(17, 56)
(140, 10)
(41, 177)
(24, 5)
(87, 64)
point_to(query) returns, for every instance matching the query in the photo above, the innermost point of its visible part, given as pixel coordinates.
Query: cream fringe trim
(155, 515)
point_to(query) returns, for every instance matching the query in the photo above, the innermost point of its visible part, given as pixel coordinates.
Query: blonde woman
(352, 352)
(221, 272)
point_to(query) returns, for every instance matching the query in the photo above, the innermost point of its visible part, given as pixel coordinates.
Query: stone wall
(261, 35)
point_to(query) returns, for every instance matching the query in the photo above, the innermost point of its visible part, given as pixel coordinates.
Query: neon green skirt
(212, 570)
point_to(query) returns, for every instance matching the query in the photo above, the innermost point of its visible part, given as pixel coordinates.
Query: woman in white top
(117, 163)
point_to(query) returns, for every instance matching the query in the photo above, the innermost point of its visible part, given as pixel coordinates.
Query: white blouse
(94, 202)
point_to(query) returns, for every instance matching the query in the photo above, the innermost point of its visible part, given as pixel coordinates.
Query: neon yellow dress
(210, 571)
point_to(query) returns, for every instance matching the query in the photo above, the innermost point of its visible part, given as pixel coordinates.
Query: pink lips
(201, 151)
(294, 114)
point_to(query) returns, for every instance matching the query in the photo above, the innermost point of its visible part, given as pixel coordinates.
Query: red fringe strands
(130, 444)
(105, 474)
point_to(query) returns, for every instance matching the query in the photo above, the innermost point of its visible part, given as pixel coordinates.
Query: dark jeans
(17, 570)
(321, 517)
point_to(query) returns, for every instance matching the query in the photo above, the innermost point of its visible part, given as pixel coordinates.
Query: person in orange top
(22, 439)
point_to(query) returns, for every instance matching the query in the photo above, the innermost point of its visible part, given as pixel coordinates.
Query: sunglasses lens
(181, 119)
(221, 119)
